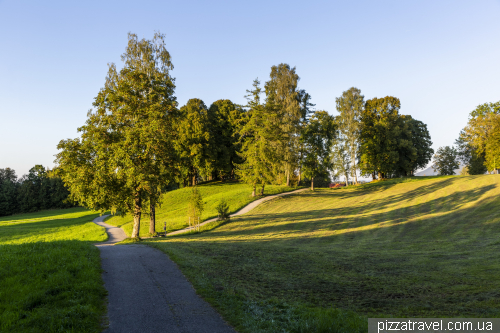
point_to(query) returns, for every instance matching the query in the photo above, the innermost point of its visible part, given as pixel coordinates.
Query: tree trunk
(262, 189)
(152, 218)
(346, 180)
(300, 174)
(253, 192)
(287, 178)
(380, 175)
(355, 173)
(137, 216)
(312, 183)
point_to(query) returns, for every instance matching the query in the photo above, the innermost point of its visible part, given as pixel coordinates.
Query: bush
(223, 210)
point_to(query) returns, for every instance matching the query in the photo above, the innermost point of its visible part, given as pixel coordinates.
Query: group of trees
(137, 142)
(39, 189)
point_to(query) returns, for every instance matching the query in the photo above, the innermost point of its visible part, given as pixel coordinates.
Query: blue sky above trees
(440, 58)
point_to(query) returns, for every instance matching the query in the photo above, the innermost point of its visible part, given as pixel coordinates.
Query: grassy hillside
(425, 247)
(174, 205)
(50, 275)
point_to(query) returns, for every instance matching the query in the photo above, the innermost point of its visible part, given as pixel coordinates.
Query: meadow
(173, 209)
(50, 273)
(327, 260)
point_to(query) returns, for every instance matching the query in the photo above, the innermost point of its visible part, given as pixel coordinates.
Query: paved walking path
(242, 211)
(148, 293)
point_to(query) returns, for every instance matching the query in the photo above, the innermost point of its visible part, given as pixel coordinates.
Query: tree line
(40, 189)
(137, 142)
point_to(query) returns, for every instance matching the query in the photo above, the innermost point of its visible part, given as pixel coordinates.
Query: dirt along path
(148, 293)
(242, 211)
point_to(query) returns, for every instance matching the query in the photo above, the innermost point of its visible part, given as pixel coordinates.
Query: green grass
(50, 275)
(422, 247)
(174, 205)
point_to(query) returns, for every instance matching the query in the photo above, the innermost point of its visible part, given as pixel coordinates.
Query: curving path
(242, 211)
(148, 293)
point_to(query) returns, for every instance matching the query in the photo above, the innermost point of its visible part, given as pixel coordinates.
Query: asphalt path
(148, 293)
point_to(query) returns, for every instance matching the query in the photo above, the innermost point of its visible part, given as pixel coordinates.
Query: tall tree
(341, 157)
(125, 154)
(257, 150)
(283, 107)
(193, 140)
(224, 118)
(492, 146)
(469, 156)
(379, 136)
(318, 137)
(445, 160)
(350, 106)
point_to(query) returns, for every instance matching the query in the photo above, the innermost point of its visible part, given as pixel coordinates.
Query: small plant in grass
(223, 210)
(195, 208)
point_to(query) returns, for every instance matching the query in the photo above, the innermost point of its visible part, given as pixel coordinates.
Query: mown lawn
(426, 247)
(175, 203)
(50, 274)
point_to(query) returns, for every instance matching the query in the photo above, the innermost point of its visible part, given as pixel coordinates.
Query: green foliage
(223, 210)
(379, 135)
(256, 137)
(195, 207)
(317, 139)
(50, 272)
(445, 160)
(350, 106)
(284, 114)
(224, 118)
(40, 189)
(470, 156)
(125, 154)
(175, 204)
(193, 141)
(392, 144)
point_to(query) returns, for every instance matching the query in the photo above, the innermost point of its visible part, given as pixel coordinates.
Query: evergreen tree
(8, 192)
(256, 137)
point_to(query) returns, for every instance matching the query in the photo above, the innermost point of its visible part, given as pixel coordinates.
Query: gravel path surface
(148, 293)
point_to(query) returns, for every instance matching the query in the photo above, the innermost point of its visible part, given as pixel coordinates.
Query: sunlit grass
(50, 275)
(173, 210)
(425, 247)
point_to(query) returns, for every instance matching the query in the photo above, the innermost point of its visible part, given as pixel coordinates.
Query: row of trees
(39, 189)
(137, 143)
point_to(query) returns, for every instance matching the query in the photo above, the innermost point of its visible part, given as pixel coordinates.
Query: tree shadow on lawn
(422, 268)
(447, 209)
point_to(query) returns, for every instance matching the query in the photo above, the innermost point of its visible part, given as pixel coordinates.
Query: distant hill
(430, 172)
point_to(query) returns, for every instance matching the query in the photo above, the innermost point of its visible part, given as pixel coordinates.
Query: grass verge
(401, 248)
(174, 205)
(50, 274)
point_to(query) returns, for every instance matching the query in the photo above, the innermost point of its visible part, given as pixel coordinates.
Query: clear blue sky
(441, 58)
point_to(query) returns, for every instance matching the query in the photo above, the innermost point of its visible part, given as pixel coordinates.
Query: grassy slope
(421, 248)
(175, 203)
(50, 278)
